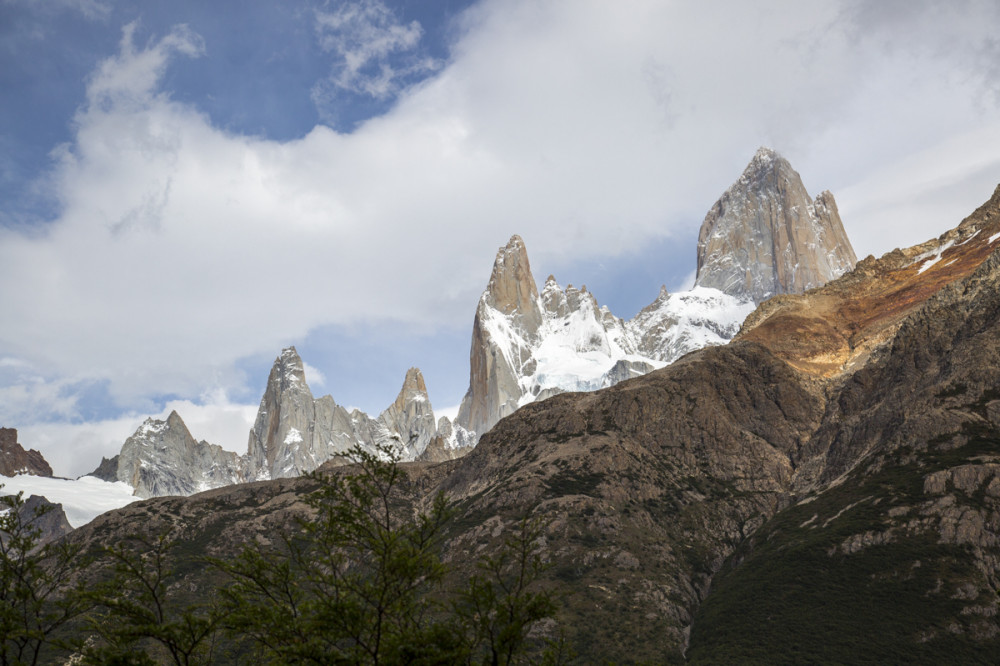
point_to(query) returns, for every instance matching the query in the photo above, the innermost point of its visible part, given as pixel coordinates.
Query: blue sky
(187, 187)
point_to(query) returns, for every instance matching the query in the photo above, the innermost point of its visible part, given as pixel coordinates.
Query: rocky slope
(14, 459)
(785, 498)
(47, 518)
(766, 236)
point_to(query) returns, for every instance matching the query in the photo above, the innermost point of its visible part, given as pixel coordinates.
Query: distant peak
(413, 389)
(175, 422)
(766, 235)
(764, 160)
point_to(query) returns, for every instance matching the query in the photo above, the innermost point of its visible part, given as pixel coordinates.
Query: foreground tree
(36, 598)
(500, 605)
(362, 582)
(138, 618)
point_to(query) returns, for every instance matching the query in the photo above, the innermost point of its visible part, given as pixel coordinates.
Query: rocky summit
(295, 433)
(539, 345)
(823, 489)
(766, 236)
(162, 458)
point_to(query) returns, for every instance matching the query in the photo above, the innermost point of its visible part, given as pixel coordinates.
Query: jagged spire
(512, 287)
(766, 236)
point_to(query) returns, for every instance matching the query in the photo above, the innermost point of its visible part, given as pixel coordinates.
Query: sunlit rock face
(766, 236)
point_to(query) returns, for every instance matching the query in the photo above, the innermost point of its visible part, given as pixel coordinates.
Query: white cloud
(588, 127)
(128, 81)
(314, 377)
(372, 49)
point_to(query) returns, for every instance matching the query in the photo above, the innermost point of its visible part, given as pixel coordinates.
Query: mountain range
(764, 236)
(819, 483)
(824, 488)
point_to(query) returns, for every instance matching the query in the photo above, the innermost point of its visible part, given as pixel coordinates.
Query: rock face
(410, 416)
(107, 470)
(504, 331)
(766, 236)
(284, 440)
(15, 460)
(162, 458)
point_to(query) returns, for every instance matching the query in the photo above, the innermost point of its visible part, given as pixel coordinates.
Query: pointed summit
(508, 319)
(512, 288)
(283, 419)
(766, 236)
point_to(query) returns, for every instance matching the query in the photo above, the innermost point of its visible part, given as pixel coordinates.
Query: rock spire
(766, 236)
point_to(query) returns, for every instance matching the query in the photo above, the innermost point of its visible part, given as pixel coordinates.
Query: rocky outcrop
(107, 470)
(293, 434)
(285, 440)
(766, 236)
(410, 416)
(504, 331)
(162, 458)
(14, 459)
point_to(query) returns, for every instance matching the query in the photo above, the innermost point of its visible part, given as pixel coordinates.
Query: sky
(188, 187)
